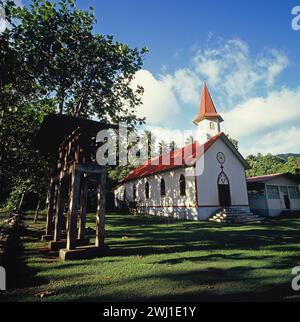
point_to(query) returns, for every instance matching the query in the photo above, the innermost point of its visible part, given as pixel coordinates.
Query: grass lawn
(184, 261)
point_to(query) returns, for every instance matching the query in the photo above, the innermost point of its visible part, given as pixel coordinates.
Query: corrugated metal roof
(273, 176)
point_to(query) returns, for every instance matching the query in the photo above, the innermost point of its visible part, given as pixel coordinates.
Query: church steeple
(207, 108)
(208, 119)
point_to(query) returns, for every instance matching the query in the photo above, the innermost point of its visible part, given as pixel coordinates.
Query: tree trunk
(37, 211)
(21, 202)
(62, 101)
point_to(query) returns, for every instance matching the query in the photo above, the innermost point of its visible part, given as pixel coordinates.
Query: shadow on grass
(207, 285)
(154, 235)
(158, 238)
(19, 274)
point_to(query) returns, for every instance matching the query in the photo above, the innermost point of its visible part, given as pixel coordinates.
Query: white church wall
(186, 213)
(181, 207)
(119, 195)
(207, 187)
(172, 197)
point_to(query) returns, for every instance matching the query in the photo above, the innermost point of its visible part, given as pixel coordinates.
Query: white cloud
(3, 22)
(276, 142)
(273, 67)
(231, 68)
(163, 95)
(237, 78)
(259, 114)
(159, 102)
(2, 19)
(185, 83)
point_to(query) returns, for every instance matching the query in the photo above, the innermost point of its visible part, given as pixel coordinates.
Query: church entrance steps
(234, 216)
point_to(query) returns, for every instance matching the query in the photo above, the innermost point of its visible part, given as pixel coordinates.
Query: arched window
(134, 192)
(223, 179)
(212, 125)
(147, 190)
(162, 188)
(182, 186)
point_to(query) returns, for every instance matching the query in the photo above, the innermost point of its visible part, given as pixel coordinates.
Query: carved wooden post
(68, 197)
(73, 208)
(100, 215)
(51, 208)
(60, 204)
(83, 204)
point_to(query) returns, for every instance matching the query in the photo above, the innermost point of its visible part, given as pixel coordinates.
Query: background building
(271, 194)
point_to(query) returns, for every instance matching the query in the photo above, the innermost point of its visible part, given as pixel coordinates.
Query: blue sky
(246, 50)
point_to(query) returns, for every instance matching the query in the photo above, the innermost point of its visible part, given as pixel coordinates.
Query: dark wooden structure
(74, 142)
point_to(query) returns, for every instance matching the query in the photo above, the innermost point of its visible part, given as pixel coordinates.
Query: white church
(196, 190)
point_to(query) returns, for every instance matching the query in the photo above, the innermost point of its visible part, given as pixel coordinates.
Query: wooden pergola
(77, 171)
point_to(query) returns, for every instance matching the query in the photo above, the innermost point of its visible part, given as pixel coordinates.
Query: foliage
(151, 141)
(163, 147)
(56, 55)
(14, 198)
(173, 146)
(24, 169)
(292, 165)
(268, 164)
(120, 172)
(189, 140)
(52, 61)
(117, 173)
(233, 141)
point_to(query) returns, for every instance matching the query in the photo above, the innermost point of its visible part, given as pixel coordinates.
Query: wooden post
(73, 208)
(83, 204)
(21, 202)
(68, 197)
(50, 214)
(100, 215)
(60, 204)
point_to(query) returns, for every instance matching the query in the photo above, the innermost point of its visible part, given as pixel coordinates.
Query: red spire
(207, 108)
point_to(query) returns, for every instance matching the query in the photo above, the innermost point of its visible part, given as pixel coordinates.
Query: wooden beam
(51, 209)
(73, 208)
(100, 215)
(90, 168)
(83, 204)
(60, 204)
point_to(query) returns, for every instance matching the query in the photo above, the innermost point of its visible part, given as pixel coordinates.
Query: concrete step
(234, 216)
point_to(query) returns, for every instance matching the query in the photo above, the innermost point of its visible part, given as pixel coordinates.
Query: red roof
(207, 107)
(157, 165)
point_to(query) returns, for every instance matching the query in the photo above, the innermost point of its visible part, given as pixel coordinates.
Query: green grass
(184, 261)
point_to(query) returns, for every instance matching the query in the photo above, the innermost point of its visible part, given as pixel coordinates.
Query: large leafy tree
(22, 168)
(57, 55)
(292, 165)
(51, 60)
(264, 164)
